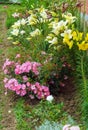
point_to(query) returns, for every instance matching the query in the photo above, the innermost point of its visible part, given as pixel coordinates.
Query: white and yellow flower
(51, 38)
(22, 32)
(10, 38)
(35, 33)
(53, 23)
(23, 21)
(67, 34)
(16, 42)
(60, 26)
(54, 41)
(32, 19)
(15, 32)
(69, 18)
(43, 14)
(16, 24)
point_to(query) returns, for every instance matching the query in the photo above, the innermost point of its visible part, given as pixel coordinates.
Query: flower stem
(83, 76)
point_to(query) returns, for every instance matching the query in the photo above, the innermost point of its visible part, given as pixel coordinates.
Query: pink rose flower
(18, 56)
(5, 80)
(25, 78)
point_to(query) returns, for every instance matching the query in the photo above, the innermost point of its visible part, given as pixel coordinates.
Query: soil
(8, 121)
(69, 96)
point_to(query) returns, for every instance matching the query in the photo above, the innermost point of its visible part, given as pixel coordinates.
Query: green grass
(10, 9)
(21, 116)
(28, 117)
(1, 40)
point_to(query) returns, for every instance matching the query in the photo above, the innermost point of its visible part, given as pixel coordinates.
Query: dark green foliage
(82, 83)
(4, 0)
(10, 21)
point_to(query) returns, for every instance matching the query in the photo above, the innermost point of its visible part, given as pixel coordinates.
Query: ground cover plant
(48, 48)
(29, 117)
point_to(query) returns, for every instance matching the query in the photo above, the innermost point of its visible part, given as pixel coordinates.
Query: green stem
(83, 75)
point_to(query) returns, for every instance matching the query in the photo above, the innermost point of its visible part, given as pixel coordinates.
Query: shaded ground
(7, 120)
(69, 96)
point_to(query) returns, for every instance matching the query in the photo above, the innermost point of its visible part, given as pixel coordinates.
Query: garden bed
(44, 66)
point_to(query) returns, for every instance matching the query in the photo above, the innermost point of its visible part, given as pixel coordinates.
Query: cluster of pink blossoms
(24, 87)
(19, 69)
(36, 89)
(27, 67)
(7, 65)
(39, 90)
(13, 85)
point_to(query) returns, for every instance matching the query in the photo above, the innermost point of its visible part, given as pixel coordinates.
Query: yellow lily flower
(83, 46)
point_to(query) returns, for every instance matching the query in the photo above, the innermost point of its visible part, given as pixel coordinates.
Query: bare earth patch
(7, 121)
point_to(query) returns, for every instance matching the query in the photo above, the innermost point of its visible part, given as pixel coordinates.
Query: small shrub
(23, 78)
(47, 125)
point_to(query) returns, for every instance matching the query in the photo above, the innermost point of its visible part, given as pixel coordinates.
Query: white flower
(75, 128)
(23, 22)
(69, 127)
(43, 14)
(16, 24)
(15, 32)
(67, 33)
(6, 93)
(53, 24)
(15, 15)
(66, 127)
(62, 24)
(69, 18)
(16, 42)
(32, 19)
(9, 38)
(9, 111)
(50, 98)
(50, 37)
(57, 27)
(35, 33)
(22, 32)
(54, 41)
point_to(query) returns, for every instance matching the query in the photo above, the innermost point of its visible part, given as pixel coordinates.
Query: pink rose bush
(23, 79)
